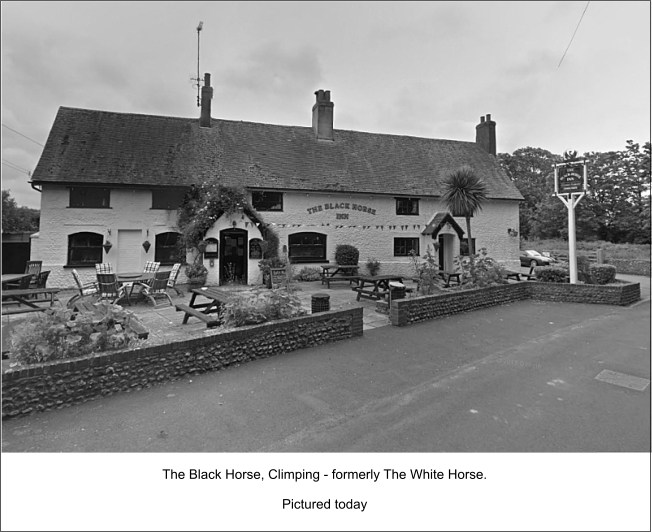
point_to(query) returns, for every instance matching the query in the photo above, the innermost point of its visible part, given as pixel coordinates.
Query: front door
(233, 256)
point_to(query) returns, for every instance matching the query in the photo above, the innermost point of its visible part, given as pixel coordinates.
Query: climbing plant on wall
(204, 204)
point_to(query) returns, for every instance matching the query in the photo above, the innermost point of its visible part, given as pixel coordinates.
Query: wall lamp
(512, 232)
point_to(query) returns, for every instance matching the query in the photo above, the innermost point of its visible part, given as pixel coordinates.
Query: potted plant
(196, 273)
(146, 245)
(107, 246)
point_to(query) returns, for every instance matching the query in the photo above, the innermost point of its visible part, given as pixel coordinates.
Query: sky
(425, 69)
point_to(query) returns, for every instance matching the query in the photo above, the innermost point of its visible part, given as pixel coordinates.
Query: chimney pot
(481, 119)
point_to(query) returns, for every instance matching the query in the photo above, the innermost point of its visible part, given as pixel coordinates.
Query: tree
(17, 219)
(464, 194)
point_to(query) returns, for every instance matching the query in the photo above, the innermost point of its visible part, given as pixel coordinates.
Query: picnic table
(204, 309)
(374, 286)
(338, 272)
(511, 274)
(28, 297)
(13, 278)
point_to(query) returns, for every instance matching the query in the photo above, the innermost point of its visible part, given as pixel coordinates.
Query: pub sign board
(570, 178)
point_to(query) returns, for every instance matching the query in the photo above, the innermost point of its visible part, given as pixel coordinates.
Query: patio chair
(103, 268)
(174, 275)
(22, 284)
(40, 280)
(109, 288)
(157, 288)
(33, 266)
(151, 267)
(88, 289)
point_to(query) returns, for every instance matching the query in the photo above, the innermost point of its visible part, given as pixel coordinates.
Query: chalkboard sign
(278, 276)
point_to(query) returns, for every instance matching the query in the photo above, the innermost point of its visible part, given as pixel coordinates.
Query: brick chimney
(485, 135)
(206, 97)
(322, 116)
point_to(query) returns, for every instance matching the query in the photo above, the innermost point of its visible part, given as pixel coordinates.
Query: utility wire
(23, 136)
(578, 25)
(19, 169)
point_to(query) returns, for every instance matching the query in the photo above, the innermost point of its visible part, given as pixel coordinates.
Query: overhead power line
(14, 164)
(576, 28)
(18, 168)
(17, 133)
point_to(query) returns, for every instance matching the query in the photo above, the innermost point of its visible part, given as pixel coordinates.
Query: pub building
(118, 178)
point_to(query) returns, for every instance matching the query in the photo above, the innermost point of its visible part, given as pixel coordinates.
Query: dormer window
(167, 198)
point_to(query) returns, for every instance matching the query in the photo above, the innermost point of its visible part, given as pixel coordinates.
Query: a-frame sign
(570, 187)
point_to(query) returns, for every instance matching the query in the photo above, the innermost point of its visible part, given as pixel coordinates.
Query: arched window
(85, 249)
(307, 247)
(167, 251)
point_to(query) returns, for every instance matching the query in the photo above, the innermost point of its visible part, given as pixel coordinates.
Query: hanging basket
(107, 246)
(146, 245)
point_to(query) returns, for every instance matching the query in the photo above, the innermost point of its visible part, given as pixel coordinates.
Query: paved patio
(164, 323)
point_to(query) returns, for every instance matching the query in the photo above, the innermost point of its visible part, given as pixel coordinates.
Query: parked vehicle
(532, 258)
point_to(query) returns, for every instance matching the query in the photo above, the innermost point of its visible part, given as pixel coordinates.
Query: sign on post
(570, 186)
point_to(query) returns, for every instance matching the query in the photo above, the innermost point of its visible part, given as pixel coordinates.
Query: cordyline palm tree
(464, 194)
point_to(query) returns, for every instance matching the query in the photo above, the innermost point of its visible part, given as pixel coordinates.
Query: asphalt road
(515, 378)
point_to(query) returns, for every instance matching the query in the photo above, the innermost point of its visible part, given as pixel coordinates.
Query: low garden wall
(630, 266)
(62, 383)
(409, 311)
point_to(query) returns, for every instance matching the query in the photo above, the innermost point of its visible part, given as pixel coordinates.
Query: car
(533, 258)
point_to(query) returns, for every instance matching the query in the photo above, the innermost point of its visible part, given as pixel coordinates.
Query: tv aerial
(198, 80)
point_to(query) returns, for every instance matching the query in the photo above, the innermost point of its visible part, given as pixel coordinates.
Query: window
(403, 246)
(409, 206)
(464, 246)
(90, 197)
(267, 201)
(255, 248)
(85, 249)
(167, 198)
(460, 215)
(307, 247)
(166, 251)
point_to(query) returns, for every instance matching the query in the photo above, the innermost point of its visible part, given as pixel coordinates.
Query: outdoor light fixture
(512, 232)
(234, 223)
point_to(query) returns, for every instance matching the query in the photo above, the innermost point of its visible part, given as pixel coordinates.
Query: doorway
(233, 256)
(446, 252)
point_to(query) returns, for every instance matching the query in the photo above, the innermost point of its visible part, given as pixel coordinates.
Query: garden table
(22, 297)
(374, 286)
(338, 272)
(13, 278)
(132, 278)
(203, 310)
(447, 276)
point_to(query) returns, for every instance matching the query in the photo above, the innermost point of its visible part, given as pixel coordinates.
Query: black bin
(320, 303)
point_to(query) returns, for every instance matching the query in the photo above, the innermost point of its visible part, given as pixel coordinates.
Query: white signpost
(570, 187)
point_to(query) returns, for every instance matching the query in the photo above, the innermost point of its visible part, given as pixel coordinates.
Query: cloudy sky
(426, 69)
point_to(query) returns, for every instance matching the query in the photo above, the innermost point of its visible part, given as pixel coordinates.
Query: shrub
(426, 272)
(551, 274)
(603, 273)
(196, 270)
(308, 274)
(481, 272)
(373, 266)
(250, 308)
(346, 254)
(61, 333)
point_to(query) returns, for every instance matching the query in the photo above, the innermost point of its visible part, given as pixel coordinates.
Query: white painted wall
(371, 229)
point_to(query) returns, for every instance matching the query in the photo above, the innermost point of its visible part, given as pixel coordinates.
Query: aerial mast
(198, 79)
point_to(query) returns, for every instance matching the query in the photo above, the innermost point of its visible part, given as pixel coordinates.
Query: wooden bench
(329, 280)
(509, 274)
(369, 294)
(211, 321)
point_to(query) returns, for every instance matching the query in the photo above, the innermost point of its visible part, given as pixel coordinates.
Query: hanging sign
(570, 178)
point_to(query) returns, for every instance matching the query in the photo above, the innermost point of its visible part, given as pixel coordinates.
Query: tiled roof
(438, 221)
(99, 147)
